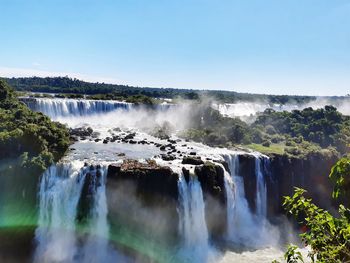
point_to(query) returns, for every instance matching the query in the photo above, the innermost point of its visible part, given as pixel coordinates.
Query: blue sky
(256, 46)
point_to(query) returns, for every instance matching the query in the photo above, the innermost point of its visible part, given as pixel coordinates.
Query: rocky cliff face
(211, 177)
(283, 173)
(144, 196)
(310, 173)
(151, 191)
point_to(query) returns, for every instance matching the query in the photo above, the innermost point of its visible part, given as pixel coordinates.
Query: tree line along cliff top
(75, 86)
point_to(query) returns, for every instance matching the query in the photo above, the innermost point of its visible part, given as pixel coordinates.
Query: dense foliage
(295, 133)
(28, 134)
(328, 236)
(325, 127)
(75, 86)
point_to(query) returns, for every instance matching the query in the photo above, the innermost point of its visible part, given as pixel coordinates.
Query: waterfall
(95, 249)
(55, 108)
(261, 191)
(192, 225)
(244, 226)
(241, 227)
(57, 235)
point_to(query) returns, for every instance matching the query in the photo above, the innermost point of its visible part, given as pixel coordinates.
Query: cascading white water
(95, 249)
(59, 194)
(261, 191)
(57, 232)
(74, 107)
(241, 227)
(246, 227)
(193, 227)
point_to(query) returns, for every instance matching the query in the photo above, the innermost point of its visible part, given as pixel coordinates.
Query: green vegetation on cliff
(27, 134)
(327, 235)
(295, 133)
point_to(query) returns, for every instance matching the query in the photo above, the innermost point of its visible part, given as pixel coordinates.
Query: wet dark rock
(186, 174)
(97, 140)
(105, 141)
(162, 148)
(132, 142)
(130, 136)
(192, 160)
(81, 131)
(211, 177)
(192, 153)
(152, 181)
(121, 154)
(95, 134)
(92, 181)
(168, 157)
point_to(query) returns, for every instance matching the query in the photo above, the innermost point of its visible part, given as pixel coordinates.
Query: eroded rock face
(144, 197)
(136, 188)
(310, 173)
(283, 174)
(92, 181)
(247, 171)
(150, 178)
(211, 177)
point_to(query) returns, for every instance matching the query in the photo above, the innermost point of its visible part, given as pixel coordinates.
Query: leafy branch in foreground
(328, 236)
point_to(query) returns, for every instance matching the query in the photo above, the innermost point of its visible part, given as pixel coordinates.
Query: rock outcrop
(211, 177)
(92, 180)
(143, 197)
(310, 173)
(149, 178)
(283, 173)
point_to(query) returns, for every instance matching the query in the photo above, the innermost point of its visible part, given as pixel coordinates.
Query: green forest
(27, 134)
(114, 91)
(295, 133)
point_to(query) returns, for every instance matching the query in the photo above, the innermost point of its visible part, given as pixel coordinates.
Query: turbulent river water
(60, 237)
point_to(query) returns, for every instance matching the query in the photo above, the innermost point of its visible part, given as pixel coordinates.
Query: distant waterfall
(57, 235)
(193, 228)
(73, 107)
(57, 108)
